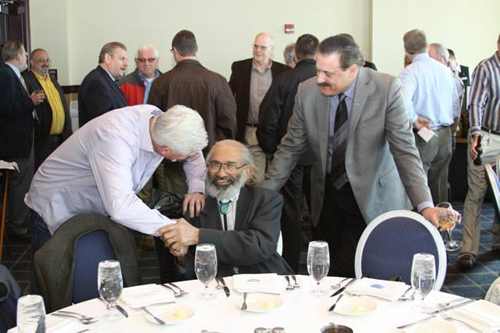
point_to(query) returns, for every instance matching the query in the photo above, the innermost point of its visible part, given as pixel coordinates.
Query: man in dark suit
(275, 111)
(463, 74)
(54, 121)
(250, 80)
(16, 133)
(243, 222)
(99, 92)
(363, 147)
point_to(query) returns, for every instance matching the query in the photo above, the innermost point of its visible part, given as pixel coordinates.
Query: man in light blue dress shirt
(431, 101)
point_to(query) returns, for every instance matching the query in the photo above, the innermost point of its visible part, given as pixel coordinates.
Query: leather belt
(490, 130)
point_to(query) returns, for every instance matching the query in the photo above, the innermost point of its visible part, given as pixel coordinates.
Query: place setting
(258, 292)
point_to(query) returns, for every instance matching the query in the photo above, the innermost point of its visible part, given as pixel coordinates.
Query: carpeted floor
(474, 283)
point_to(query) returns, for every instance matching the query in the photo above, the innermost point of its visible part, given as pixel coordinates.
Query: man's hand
(422, 122)
(179, 235)
(194, 202)
(473, 147)
(37, 98)
(432, 214)
(180, 254)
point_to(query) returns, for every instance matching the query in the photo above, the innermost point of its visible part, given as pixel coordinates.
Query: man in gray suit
(365, 162)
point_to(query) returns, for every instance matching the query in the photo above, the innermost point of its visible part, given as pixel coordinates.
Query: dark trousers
(46, 147)
(298, 185)
(341, 225)
(40, 234)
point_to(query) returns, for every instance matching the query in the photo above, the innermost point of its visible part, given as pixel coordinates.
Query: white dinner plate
(436, 326)
(355, 306)
(262, 302)
(171, 314)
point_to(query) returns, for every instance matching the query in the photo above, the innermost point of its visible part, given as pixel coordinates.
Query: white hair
(245, 157)
(441, 51)
(146, 47)
(181, 129)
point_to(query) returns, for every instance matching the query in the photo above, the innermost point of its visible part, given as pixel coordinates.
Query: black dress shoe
(467, 261)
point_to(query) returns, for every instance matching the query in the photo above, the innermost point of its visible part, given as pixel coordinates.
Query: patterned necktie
(23, 83)
(338, 175)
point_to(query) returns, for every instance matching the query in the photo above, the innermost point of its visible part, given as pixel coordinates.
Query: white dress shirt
(101, 167)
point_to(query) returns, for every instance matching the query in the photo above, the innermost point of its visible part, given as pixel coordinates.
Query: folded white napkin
(255, 282)
(56, 325)
(389, 290)
(139, 296)
(481, 314)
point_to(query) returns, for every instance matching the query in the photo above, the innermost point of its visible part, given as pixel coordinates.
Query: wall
(74, 31)
(470, 28)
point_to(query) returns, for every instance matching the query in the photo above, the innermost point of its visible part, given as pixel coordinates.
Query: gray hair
(346, 47)
(415, 41)
(289, 53)
(245, 157)
(145, 47)
(11, 49)
(110, 48)
(181, 129)
(441, 51)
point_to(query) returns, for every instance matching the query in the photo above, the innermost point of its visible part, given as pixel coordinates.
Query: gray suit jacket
(251, 246)
(381, 155)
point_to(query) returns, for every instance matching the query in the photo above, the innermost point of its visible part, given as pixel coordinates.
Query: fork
(445, 304)
(289, 284)
(295, 284)
(219, 285)
(76, 314)
(158, 320)
(84, 321)
(181, 291)
(448, 317)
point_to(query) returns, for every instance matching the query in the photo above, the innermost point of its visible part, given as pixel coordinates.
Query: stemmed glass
(447, 220)
(30, 314)
(205, 267)
(423, 276)
(318, 264)
(110, 285)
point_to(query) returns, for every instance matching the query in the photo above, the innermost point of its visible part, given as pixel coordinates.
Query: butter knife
(451, 307)
(224, 286)
(118, 307)
(343, 288)
(336, 302)
(415, 322)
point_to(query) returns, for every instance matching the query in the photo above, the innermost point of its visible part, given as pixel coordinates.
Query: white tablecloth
(300, 313)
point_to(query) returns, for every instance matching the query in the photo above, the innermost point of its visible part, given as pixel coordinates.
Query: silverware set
(81, 318)
(178, 292)
(289, 285)
(221, 284)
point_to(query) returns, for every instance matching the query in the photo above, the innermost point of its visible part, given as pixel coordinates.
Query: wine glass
(205, 267)
(318, 264)
(423, 276)
(110, 285)
(30, 314)
(447, 220)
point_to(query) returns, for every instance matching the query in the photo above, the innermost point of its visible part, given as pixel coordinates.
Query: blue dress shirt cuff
(423, 205)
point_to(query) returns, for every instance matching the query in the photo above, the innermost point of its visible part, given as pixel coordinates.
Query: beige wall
(470, 28)
(74, 31)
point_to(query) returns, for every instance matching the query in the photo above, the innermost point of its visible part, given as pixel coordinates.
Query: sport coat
(16, 116)
(97, 95)
(380, 149)
(240, 85)
(251, 247)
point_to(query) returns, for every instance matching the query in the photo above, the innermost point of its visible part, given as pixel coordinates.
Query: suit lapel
(114, 88)
(361, 93)
(322, 110)
(210, 217)
(242, 209)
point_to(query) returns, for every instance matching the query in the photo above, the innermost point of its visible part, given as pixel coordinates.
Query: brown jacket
(192, 85)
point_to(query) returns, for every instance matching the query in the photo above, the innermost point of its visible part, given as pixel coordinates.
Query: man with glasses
(54, 121)
(250, 80)
(243, 222)
(136, 85)
(17, 118)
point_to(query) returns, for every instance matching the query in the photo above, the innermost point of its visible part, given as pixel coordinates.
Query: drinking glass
(447, 220)
(318, 264)
(205, 267)
(110, 285)
(31, 314)
(423, 276)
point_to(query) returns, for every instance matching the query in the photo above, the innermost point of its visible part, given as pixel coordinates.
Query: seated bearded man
(243, 222)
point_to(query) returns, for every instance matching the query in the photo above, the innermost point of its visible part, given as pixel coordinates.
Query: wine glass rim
(109, 263)
(205, 247)
(318, 243)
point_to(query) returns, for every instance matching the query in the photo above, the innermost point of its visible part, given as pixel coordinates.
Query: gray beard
(227, 193)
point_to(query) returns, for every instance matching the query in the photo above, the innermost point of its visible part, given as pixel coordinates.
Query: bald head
(263, 47)
(40, 62)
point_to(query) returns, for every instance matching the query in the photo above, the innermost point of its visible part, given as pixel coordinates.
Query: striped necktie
(338, 175)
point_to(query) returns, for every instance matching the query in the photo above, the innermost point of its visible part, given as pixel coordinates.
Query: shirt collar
(350, 91)
(39, 77)
(111, 76)
(421, 56)
(144, 78)
(265, 69)
(147, 112)
(14, 68)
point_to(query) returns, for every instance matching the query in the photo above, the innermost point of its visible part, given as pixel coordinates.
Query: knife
(342, 289)
(415, 322)
(118, 307)
(335, 304)
(451, 307)
(224, 286)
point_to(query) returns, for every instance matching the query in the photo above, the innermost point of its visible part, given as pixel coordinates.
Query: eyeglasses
(44, 60)
(143, 60)
(260, 47)
(229, 167)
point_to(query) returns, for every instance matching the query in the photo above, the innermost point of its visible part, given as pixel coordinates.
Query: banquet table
(300, 312)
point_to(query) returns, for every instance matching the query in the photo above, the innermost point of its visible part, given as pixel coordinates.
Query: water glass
(423, 276)
(110, 285)
(447, 218)
(318, 264)
(31, 314)
(205, 268)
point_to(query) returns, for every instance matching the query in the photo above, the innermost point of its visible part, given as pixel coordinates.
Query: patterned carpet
(474, 283)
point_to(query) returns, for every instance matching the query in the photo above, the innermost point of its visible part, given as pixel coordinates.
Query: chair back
(90, 250)
(388, 243)
(494, 182)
